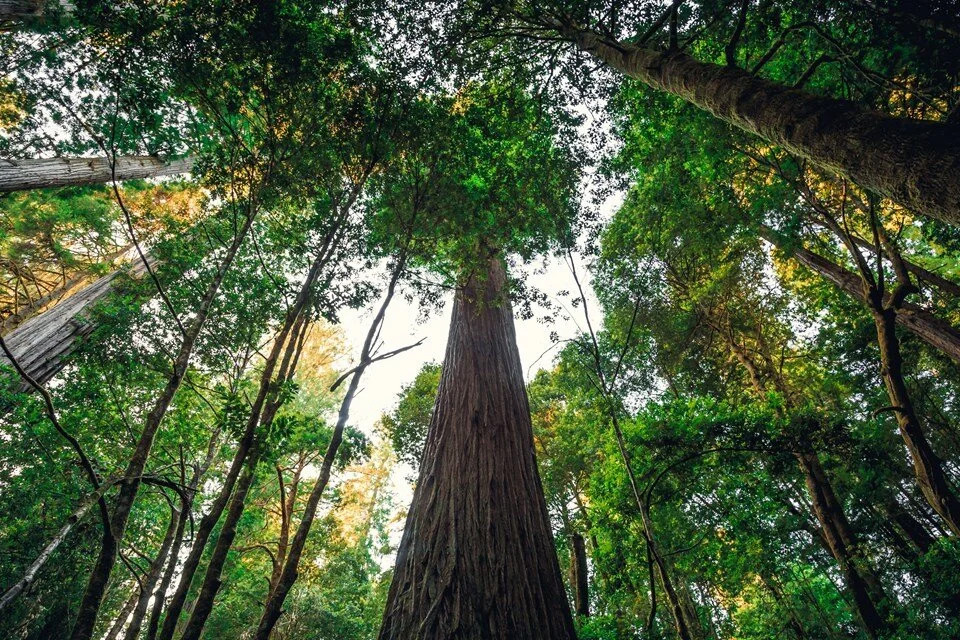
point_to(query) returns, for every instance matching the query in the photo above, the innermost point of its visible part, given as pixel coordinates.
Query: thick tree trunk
(579, 577)
(130, 486)
(477, 559)
(20, 175)
(864, 586)
(928, 468)
(288, 576)
(926, 326)
(914, 162)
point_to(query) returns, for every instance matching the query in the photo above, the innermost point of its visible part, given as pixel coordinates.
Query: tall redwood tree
(477, 558)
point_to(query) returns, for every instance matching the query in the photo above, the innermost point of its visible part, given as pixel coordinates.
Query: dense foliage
(747, 425)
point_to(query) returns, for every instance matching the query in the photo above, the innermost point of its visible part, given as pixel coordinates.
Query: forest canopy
(480, 320)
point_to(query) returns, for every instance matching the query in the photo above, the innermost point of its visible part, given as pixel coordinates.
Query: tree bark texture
(42, 173)
(927, 466)
(579, 577)
(42, 344)
(937, 333)
(477, 559)
(130, 486)
(914, 162)
(868, 594)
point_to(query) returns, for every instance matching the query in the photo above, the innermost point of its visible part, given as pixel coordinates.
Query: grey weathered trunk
(914, 162)
(42, 343)
(20, 175)
(477, 558)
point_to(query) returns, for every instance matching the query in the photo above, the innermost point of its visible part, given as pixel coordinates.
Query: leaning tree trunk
(284, 582)
(261, 413)
(477, 558)
(43, 343)
(154, 574)
(130, 487)
(863, 584)
(20, 175)
(927, 466)
(914, 162)
(938, 334)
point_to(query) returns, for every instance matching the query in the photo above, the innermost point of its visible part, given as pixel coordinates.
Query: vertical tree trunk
(914, 162)
(579, 577)
(477, 559)
(20, 175)
(927, 466)
(130, 485)
(153, 575)
(288, 575)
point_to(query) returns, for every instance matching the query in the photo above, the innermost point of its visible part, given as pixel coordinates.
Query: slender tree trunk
(929, 328)
(835, 530)
(288, 576)
(863, 585)
(20, 175)
(123, 614)
(928, 468)
(212, 517)
(477, 559)
(186, 504)
(203, 605)
(153, 624)
(31, 572)
(153, 575)
(579, 576)
(130, 486)
(914, 162)
(912, 528)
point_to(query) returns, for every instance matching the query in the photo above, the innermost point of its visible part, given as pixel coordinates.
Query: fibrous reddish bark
(914, 162)
(477, 558)
(41, 173)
